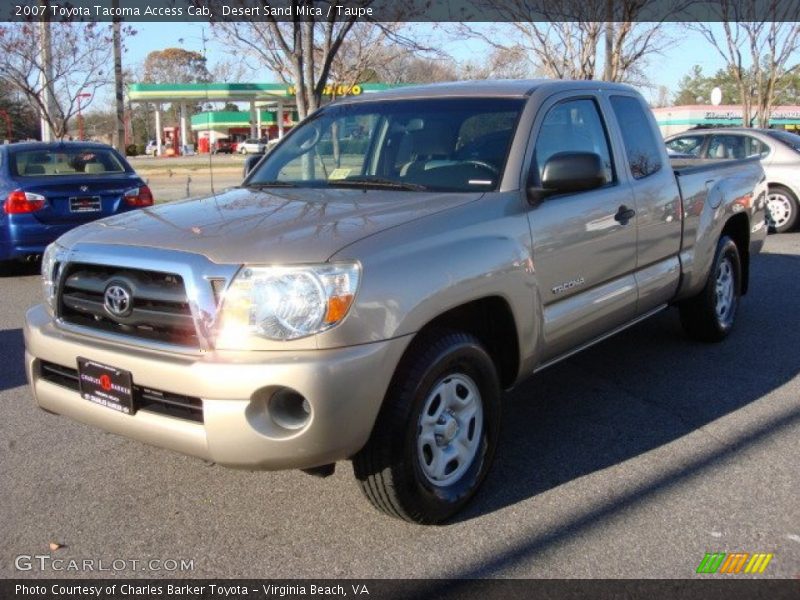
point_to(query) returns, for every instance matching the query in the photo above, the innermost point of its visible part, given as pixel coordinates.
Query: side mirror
(567, 172)
(250, 162)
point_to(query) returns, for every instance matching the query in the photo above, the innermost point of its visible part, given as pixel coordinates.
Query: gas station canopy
(272, 96)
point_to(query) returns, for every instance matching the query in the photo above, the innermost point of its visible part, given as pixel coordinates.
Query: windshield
(448, 144)
(790, 139)
(65, 161)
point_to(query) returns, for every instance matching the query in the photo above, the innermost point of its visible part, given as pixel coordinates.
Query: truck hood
(276, 226)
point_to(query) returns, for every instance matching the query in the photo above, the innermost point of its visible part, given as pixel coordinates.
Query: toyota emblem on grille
(117, 300)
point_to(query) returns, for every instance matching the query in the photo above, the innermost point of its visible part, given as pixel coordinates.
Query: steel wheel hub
(450, 429)
(779, 210)
(724, 291)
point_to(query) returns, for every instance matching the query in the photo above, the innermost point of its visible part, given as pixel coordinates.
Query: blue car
(47, 189)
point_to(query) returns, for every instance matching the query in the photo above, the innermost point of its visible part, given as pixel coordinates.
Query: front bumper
(345, 388)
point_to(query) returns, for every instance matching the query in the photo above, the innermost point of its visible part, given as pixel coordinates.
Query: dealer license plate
(107, 386)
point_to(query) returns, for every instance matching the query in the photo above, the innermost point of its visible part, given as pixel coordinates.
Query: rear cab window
(56, 162)
(644, 151)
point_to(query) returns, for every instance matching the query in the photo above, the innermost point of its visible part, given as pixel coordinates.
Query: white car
(778, 150)
(151, 149)
(252, 146)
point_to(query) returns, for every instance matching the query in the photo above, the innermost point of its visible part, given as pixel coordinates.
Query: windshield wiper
(266, 184)
(376, 182)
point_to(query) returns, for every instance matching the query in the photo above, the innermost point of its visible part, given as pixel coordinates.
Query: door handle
(624, 214)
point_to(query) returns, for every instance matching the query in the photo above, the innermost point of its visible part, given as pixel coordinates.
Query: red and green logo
(734, 562)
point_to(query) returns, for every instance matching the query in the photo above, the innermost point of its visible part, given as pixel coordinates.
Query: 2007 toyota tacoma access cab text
(382, 274)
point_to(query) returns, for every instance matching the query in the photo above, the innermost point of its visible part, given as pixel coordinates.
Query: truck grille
(167, 403)
(135, 302)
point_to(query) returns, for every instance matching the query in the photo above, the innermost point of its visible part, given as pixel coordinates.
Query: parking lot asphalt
(188, 176)
(632, 459)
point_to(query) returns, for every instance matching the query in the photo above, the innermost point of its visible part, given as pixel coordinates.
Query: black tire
(705, 317)
(390, 467)
(785, 202)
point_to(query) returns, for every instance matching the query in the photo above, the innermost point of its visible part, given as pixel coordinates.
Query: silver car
(252, 146)
(780, 156)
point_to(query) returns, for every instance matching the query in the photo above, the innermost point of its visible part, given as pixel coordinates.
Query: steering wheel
(485, 165)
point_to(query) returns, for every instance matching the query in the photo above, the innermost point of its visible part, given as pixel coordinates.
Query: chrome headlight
(286, 303)
(50, 268)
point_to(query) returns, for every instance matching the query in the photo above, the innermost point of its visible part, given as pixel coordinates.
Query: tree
(304, 53)
(228, 71)
(758, 43)
(300, 52)
(663, 97)
(175, 65)
(411, 68)
(567, 38)
(695, 87)
(18, 119)
(119, 89)
(369, 53)
(80, 58)
(504, 62)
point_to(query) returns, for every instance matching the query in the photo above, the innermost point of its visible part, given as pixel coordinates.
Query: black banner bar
(374, 589)
(403, 11)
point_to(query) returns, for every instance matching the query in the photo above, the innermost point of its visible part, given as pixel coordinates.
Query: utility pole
(609, 66)
(46, 79)
(119, 129)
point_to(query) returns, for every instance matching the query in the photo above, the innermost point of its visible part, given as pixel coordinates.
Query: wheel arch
(491, 321)
(738, 229)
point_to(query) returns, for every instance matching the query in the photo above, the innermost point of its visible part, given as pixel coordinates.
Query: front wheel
(435, 437)
(710, 315)
(782, 209)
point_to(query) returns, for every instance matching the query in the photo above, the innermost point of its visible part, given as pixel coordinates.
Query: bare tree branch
(768, 40)
(81, 55)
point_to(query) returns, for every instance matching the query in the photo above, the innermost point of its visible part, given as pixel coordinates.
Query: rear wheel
(437, 431)
(782, 208)
(710, 315)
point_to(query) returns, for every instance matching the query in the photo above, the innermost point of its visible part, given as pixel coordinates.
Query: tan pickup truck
(383, 274)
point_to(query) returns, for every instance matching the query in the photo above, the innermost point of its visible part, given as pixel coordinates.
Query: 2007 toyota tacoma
(382, 274)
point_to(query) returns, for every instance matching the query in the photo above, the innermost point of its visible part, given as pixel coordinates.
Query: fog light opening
(289, 409)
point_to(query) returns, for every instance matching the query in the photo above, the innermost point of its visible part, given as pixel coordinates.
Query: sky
(691, 49)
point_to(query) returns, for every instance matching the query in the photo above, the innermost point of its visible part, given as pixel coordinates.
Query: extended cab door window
(573, 126)
(658, 202)
(641, 146)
